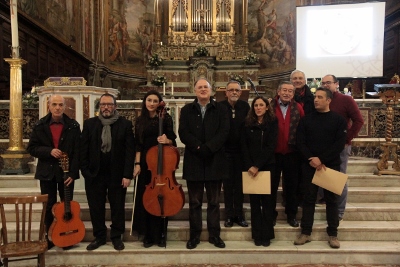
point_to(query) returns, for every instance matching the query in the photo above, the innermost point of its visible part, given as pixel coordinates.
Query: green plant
(30, 99)
(251, 59)
(237, 77)
(201, 51)
(159, 80)
(155, 61)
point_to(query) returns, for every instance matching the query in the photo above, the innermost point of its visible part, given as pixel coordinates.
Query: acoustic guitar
(67, 228)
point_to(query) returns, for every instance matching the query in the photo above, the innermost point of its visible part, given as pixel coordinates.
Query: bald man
(52, 135)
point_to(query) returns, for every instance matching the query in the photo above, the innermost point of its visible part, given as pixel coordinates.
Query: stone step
(354, 212)
(17, 181)
(347, 231)
(356, 194)
(235, 253)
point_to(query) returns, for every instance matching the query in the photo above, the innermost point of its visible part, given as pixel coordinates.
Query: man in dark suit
(233, 191)
(107, 161)
(52, 135)
(204, 128)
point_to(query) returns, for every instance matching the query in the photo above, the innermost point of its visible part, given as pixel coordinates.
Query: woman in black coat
(258, 141)
(153, 227)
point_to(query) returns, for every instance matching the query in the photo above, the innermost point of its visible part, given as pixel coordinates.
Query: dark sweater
(322, 135)
(241, 109)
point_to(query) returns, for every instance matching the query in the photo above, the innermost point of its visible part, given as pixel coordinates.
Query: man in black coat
(303, 94)
(107, 161)
(204, 128)
(52, 135)
(233, 189)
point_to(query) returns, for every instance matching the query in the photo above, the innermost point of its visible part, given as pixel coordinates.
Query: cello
(163, 196)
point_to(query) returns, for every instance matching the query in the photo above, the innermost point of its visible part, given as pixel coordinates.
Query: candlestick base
(15, 162)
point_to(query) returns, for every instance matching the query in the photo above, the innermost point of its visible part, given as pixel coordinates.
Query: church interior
(84, 48)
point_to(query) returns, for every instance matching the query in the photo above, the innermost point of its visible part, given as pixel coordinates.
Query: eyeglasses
(327, 83)
(233, 90)
(106, 104)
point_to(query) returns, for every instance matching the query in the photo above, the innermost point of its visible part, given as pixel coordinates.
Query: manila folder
(261, 184)
(330, 180)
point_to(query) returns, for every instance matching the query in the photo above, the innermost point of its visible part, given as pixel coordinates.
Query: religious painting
(272, 34)
(59, 17)
(130, 35)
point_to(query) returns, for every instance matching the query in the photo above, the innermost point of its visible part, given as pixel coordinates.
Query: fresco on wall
(130, 35)
(59, 17)
(272, 34)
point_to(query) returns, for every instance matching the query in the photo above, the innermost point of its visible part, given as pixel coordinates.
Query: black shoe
(67, 248)
(95, 244)
(293, 222)
(118, 244)
(162, 243)
(192, 243)
(228, 222)
(266, 243)
(148, 242)
(217, 241)
(257, 242)
(239, 220)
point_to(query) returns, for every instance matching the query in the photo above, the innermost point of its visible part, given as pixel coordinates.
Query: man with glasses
(107, 161)
(288, 113)
(233, 190)
(303, 95)
(345, 106)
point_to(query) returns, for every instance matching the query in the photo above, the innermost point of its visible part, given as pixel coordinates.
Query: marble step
(18, 181)
(360, 194)
(236, 252)
(354, 212)
(347, 231)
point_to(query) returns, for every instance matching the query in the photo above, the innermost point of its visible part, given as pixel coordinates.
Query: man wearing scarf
(287, 157)
(303, 94)
(107, 161)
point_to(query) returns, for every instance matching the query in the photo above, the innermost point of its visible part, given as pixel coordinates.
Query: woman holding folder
(259, 137)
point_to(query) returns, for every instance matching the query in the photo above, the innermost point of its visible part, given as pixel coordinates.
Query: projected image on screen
(339, 32)
(344, 40)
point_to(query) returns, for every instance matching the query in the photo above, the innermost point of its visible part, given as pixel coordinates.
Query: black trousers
(233, 189)
(51, 187)
(261, 217)
(96, 194)
(196, 191)
(289, 165)
(311, 191)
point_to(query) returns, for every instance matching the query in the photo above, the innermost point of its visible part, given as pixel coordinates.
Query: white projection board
(343, 40)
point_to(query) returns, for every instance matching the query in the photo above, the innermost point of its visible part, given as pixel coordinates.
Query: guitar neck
(67, 195)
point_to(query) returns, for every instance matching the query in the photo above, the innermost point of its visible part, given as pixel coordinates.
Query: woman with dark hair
(258, 141)
(154, 228)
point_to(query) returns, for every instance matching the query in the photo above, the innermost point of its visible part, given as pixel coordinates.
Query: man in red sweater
(345, 106)
(288, 113)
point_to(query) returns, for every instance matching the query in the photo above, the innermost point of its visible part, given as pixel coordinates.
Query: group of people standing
(291, 136)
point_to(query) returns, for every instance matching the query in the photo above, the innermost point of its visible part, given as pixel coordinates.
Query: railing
(370, 137)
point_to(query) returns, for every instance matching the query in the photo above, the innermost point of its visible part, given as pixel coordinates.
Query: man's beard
(107, 116)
